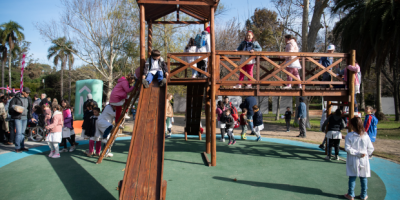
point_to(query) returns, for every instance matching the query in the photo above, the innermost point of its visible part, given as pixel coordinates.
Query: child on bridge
(155, 68)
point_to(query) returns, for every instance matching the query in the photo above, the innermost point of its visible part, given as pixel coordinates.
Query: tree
(11, 34)
(3, 55)
(62, 51)
(372, 29)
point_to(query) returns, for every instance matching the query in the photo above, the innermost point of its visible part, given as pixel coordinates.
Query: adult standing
(43, 100)
(291, 46)
(20, 111)
(3, 122)
(36, 101)
(301, 114)
(11, 122)
(248, 103)
(204, 48)
(89, 99)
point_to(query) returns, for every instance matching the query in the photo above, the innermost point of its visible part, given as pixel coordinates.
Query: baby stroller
(36, 131)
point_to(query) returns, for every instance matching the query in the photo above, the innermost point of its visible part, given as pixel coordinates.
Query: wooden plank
(213, 92)
(164, 190)
(188, 54)
(271, 53)
(283, 82)
(239, 68)
(193, 3)
(229, 69)
(208, 120)
(351, 79)
(325, 69)
(178, 22)
(192, 14)
(206, 158)
(180, 69)
(280, 68)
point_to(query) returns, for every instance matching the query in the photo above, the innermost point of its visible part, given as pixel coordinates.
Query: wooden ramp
(144, 166)
(194, 104)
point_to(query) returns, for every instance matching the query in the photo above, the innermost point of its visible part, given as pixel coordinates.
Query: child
(191, 48)
(203, 46)
(288, 117)
(67, 132)
(55, 129)
(229, 121)
(334, 124)
(221, 121)
(120, 93)
(170, 116)
(86, 119)
(370, 124)
(104, 123)
(155, 68)
(243, 123)
(358, 146)
(321, 123)
(326, 62)
(291, 46)
(249, 44)
(258, 122)
(47, 113)
(91, 131)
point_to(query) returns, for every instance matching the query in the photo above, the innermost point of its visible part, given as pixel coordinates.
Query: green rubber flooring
(262, 170)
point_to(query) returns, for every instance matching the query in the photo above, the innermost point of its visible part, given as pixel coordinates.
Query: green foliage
(11, 32)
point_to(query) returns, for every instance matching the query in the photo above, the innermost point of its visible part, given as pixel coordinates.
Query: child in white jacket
(358, 147)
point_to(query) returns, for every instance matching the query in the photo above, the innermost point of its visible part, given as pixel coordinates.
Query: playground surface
(273, 168)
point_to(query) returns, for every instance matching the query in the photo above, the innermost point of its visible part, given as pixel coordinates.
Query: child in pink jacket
(120, 93)
(55, 129)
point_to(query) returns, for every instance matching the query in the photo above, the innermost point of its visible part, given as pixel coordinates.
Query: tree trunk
(64, 61)
(378, 103)
(69, 84)
(304, 28)
(2, 75)
(109, 89)
(9, 70)
(307, 102)
(396, 94)
(362, 95)
(278, 106)
(315, 23)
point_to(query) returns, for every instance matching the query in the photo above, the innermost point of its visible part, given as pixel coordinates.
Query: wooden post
(258, 75)
(351, 80)
(208, 121)
(142, 39)
(149, 38)
(213, 88)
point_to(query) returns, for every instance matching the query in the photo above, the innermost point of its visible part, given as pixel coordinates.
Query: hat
(301, 99)
(26, 89)
(89, 96)
(331, 47)
(208, 29)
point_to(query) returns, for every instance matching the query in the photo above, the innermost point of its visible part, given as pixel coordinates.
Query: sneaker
(226, 134)
(163, 82)
(127, 117)
(321, 146)
(327, 158)
(76, 144)
(64, 150)
(167, 136)
(104, 141)
(145, 83)
(366, 197)
(243, 137)
(24, 149)
(258, 138)
(300, 87)
(18, 151)
(287, 131)
(347, 196)
(337, 158)
(56, 155)
(121, 127)
(238, 86)
(287, 87)
(109, 155)
(222, 140)
(234, 142)
(252, 133)
(194, 76)
(51, 153)
(88, 154)
(248, 87)
(370, 156)
(229, 143)
(72, 148)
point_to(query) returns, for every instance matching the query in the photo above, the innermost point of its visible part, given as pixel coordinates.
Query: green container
(83, 88)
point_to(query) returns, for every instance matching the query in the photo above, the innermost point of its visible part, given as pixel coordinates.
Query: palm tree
(3, 58)
(372, 29)
(11, 34)
(62, 50)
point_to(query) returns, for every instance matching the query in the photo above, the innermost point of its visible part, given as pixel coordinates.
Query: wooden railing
(270, 69)
(179, 69)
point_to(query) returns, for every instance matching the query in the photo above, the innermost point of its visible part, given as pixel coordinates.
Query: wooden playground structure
(143, 178)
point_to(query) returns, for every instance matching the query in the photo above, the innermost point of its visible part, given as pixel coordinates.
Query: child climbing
(370, 124)
(203, 45)
(191, 48)
(68, 129)
(120, 93)
(169, 116)
(91, 131)
(104, 124)
(288, 117)
(258, 122)
(243, 123)
(249, 44)
(221, 124)
(55, 128)
(86, 119)
(291, 46)
(229, 121)
(358, 146)
(155, 68)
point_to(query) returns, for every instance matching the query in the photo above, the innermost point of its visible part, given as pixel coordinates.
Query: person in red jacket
(120, 93)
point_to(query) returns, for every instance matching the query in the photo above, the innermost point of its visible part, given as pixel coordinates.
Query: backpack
(200, 40)
(223, 118)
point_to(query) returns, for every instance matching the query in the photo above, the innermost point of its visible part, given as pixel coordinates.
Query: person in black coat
(258, 122)
(248, 103)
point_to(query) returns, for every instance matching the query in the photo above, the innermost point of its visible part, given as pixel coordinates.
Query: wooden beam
(208, 120)
(213, 92)
(271, 53)
(281, 92)
(178, 22)
(351, 79)
(149, 38)
(285, 82)
(325, 69)
(193, 3)
(186, 81)
(192, 14)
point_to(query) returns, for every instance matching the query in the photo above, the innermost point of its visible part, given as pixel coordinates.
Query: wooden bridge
(143, 174)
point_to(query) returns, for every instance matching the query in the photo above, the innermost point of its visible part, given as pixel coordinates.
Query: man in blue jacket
(248, 103)
(301, 114)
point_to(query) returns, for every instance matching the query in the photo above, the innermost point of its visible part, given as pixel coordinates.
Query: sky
(31, 12)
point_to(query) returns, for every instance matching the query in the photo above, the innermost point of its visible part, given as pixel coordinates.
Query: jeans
(159, 75)
(352, 185)
(107, 132)
(230, 134)
(20, 125)
(287, 124)
(251, 126)
(222, 133)
(302, 126)
(3, 136)
(11, 126)
(244, 129)
(168, 122)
